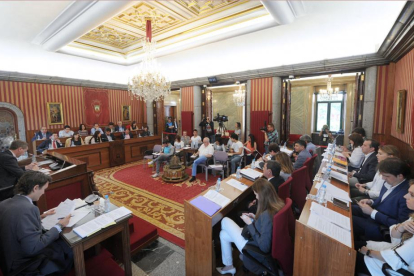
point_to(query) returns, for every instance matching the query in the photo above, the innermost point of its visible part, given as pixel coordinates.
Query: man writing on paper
(21, 235)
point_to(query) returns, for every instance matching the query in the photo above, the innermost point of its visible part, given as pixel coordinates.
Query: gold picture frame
(126, 113)
(54, 113)
(401, 103)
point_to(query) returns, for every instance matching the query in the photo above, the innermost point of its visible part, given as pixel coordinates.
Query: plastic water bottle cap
(323, 186)
(106, 196)
(219, 179)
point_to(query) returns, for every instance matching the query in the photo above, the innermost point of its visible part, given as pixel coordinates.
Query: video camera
(221, 118)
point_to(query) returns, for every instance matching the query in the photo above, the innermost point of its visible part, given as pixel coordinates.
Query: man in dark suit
(42, 134)
(368, 169)
(52, 143)
(389, 208)
(119, 127)
(145, 132)
(127, 134)
(108, 136)
(271, 170)
(21, 235)
(303, 154)
(10, 171)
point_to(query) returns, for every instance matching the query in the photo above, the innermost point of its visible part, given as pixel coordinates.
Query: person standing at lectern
(10, 171)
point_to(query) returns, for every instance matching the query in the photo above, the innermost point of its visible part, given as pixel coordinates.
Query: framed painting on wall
(401, 102)
(126, 113)
(54, 113)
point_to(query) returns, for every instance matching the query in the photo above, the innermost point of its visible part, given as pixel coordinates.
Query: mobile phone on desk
(341, 204)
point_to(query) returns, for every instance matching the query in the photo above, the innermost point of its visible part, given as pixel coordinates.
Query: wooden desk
(199, 229)
(98, 156)
(117, 234)
(317, 253)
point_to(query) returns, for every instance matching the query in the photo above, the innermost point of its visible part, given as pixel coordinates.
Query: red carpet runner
(152, 199)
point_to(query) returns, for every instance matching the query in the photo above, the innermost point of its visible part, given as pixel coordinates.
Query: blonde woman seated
(372, 189)
(399, 254)
(285, 163)
(259, 228)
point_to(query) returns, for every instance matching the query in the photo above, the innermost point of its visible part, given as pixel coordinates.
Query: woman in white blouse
(372, 189)
(178, 144)
(399, 254)
(355, 158)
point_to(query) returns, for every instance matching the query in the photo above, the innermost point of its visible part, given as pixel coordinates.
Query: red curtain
(96, 106)
(257, 119)
(187, 122)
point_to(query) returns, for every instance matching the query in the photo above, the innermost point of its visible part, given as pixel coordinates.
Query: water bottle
(253, 166)
(218, 185)
(107, 205)
(284, 145)
(238, 176)
(320, 196)
(327, 173)
(33, 158)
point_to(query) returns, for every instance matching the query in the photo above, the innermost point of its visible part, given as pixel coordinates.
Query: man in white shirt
(96, 128)
(205, 151)
(195, 139)
(389, 208)
(237, 150)
(186, 139)
(66, 132)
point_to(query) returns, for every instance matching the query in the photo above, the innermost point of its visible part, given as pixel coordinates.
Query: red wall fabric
(261, 97)
(96, 106)
(187, 122)
(187, 99)
(32, 99)
(257, 119)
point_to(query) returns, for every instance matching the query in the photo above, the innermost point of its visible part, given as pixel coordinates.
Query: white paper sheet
(288, 152)
(341, 177)
(237, 184)
(118, 213)
(331, 215)
(340, 169)
(217, 198)
(77, 215)
(251, 173)
(330, 229)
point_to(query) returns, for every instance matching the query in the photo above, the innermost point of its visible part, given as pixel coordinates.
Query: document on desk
(332, 191)
(326, 227)
(64, 208)
(93, 226)
(206, 205)
(331, 215)
(217, 198)
(237, 184)
(41, 163)
(340, 176)
(288, 152)
(251, 174)
(118, 213)
(77, 215)
(340, 169)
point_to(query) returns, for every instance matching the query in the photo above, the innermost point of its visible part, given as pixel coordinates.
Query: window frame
(329, 110)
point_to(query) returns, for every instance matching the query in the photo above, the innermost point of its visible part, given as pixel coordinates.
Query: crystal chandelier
(239, 96)
(327, 94)
(149, 84)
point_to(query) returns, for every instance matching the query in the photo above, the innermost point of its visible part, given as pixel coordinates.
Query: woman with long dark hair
(259, 228)
(96, 138)
(82, 130)
(251, 148)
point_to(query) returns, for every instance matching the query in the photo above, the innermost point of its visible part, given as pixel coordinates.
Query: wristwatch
(368, 254)
(60, 225)
(366, 192)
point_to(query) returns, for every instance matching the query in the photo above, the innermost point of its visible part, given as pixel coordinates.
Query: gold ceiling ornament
(110, 36)
(149, 84)
(203, 6)
(239, 96)
(329, 92)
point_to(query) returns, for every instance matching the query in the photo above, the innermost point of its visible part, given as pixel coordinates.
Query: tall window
(329, 111)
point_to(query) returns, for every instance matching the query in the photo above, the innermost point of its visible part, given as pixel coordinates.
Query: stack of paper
(340, 176)
(251, 174)
(340, 169)
(100, 222)
(339, 161)
(331, 224)
(334, 192)
(64, 209)
(217, 198)
(237, 184)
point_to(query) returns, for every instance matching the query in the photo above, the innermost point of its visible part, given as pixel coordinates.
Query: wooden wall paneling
(288, 108)
(283, 136)
(116, 153)
(160, 116)
(359, 100)
(204, 103)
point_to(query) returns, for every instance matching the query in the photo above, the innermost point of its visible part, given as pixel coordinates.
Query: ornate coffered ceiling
(125, 31)
(113, 31)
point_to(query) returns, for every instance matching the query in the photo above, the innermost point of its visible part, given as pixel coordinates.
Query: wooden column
(359, 100)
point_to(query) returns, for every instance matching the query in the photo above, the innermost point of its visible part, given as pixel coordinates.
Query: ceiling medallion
(149, 84)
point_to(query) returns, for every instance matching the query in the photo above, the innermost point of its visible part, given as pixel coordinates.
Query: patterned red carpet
(152, 199)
